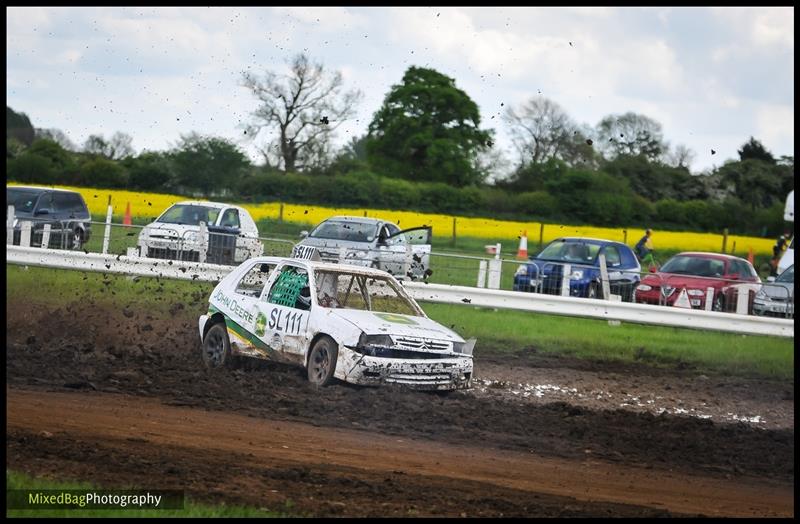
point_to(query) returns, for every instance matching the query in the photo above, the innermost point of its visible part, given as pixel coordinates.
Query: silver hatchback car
(372, 243)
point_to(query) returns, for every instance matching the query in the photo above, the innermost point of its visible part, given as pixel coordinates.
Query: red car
(696, 272)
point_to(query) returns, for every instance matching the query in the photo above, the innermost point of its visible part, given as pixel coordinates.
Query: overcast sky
(712, 77)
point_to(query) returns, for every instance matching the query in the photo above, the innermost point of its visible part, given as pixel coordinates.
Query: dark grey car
(374, 243)
(65, 211)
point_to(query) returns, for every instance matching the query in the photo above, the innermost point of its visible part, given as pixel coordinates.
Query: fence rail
(459, 295)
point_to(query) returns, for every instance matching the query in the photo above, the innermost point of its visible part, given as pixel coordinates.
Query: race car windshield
(343, 290)
(189, 215)
(22, 200)
(341, 230)
(570, 252)
(786, 276)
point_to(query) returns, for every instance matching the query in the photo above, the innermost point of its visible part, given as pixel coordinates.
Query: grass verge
(497, 331)
(20, 481)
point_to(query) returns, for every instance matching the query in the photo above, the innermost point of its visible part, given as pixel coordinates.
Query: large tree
(212, 165)
(753, 149)
(630, 134)
(428, 130)
(300, 111)
(19, 127)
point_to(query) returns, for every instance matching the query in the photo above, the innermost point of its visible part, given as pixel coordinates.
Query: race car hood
(378, 323)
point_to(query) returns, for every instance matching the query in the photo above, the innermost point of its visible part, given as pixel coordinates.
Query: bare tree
(115, 148)
(682, 156)
(540, 130)
(301, 110)
(631, 134)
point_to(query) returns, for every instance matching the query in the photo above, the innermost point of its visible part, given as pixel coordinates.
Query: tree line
(426, 149)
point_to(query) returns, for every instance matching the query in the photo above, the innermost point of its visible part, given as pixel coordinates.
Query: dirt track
(556, 454)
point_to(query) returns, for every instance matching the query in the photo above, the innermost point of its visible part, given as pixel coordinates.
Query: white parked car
(233, 235)
(339, 321)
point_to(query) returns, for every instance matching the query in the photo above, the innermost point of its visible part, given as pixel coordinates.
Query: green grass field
(497, 331)
(20, 481)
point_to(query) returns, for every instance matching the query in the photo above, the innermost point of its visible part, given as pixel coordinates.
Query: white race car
(339, 321)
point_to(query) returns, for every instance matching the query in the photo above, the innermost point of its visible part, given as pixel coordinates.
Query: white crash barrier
(490, 298)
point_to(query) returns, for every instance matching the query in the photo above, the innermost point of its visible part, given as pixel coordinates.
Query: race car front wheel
(217, 347)
(322, 361)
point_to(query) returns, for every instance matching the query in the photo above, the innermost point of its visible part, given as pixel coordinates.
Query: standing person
(777, 253)
(644, 249)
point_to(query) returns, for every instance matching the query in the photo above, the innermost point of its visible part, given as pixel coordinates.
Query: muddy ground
(675, 421)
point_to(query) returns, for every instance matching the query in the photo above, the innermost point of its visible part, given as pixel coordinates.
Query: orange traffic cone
(127, 219)
(750, 256)
(522, 252)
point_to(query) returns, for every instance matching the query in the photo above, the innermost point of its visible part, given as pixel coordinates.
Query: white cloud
(775, 123)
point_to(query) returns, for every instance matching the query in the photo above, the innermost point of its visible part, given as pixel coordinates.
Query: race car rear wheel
(322, 361)
(217, 347)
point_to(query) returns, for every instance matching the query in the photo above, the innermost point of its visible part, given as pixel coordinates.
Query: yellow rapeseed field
(152, 204)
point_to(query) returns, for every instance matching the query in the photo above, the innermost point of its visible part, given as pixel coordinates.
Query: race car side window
(252, 283)
(291, 289)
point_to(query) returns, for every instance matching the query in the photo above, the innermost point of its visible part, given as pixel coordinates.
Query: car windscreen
(22, 200)
(570, 251)
(787, 276)
(697, 266)
(189, 214)
(345, 230)
(344, 290)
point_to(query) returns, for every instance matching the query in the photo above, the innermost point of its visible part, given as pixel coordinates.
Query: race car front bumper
(451, 372)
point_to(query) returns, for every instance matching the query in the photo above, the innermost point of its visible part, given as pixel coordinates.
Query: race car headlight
(191, 236)
(374, 345)
(521, 271)
(761, 294)
(643, 287)
(356, 254)
(576, 275)
(695, 292)
(375, 341)
(465, 347)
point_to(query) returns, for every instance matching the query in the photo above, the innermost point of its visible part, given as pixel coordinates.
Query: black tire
(76, 239)
(322, 362)
(719, 303)
(216, 348)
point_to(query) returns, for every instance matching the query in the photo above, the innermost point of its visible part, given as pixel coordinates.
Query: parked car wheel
(322, 362)
(217, 347)
(76, 239)
(719, 303)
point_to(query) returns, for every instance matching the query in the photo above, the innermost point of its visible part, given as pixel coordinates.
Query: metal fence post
(742, 299)
(615, 298)
(25, 233)
(606, 288)
(565, 280)
(482, 273)
(709, 298)
(541, 235)
(453, 242)
(46, 236)
(495, 269)
(107, 234)
(724, 239)
(10, 226)
(203, 242)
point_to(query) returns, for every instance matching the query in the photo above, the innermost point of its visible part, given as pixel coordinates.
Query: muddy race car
(339, 321)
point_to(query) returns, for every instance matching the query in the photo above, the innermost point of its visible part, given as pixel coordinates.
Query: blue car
(544, 272)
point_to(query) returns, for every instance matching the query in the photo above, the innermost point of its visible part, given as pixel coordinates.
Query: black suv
(65, 211)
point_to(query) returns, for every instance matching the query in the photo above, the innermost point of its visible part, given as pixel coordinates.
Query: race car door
(283, 312)
(406, 254)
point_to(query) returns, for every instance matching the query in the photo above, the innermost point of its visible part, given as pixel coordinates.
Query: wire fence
(227, 246)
